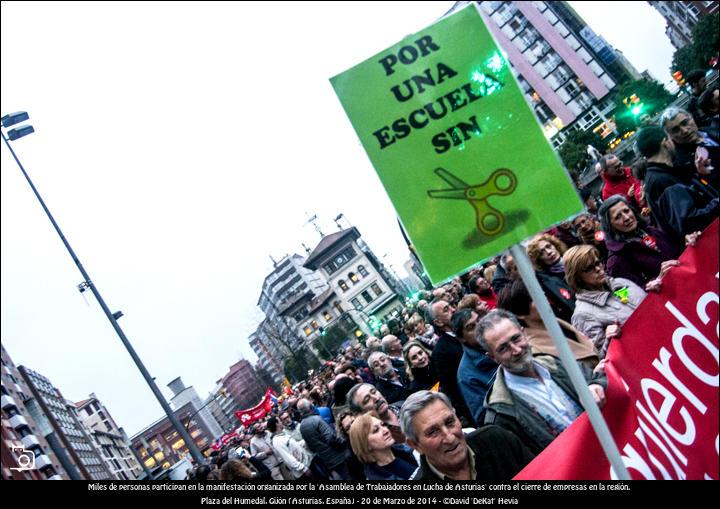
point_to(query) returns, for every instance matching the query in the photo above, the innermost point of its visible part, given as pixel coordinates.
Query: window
(327, 316)
(89, 410)
(356, 303)
(362, 270)
(366, 295)
(340, 259)
(376, 288)
(343, 285)
(353, 277)
(314, 324)
(337, 306)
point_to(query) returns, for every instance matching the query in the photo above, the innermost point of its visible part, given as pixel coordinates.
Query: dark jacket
(633, 259)
(424, 378)
(558, 293)
(446, 358)
(374, 472)
(475, 376)
(321, 439)
(391, 391)
(679, 203)
(499, 456)
(506, 410)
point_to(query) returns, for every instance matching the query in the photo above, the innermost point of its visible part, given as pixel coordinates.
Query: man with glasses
(532, 396)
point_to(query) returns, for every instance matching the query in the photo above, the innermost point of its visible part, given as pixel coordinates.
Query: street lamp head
(15, 134)
(14, 118)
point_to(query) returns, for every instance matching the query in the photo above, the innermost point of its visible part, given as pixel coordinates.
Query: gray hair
(489, 321)
(350, 398)
(304, 406)
(670, 113)
(504, 258)
(416, 403)
(374, 356)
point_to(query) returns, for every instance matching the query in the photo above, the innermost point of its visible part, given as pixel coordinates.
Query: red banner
(247, 417)
(662, 398)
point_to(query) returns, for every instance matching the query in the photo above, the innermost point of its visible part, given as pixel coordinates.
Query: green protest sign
(456, 146)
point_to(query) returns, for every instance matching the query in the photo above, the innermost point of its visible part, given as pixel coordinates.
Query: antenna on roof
(307, 249)
(273, 260)
(337, 220)
(313, 220)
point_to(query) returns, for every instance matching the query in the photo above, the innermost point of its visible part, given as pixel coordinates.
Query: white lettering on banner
(686, 437)
(634, 461)
(662, 433)
(689, 330)
(680, 473)
(640, 434)
(663, 366)
(659, 418)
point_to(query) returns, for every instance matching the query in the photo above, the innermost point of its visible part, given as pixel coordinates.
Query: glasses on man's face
(592, 267)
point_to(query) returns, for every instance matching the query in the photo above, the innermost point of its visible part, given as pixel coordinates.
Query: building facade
(62, 418)
(22, 434)
(287, 284)
(558, 62)
(183, 395)
(222, 407)
(109, 438)
(359, 285)
(681, 17)
(243, 385)
(159, 444)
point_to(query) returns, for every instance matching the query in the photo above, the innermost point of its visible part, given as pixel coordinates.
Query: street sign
(455, 144)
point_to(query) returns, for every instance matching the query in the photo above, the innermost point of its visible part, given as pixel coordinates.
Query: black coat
(559, 293)
(424, 378)
(446, 357)
(499, 456)
(679, 203)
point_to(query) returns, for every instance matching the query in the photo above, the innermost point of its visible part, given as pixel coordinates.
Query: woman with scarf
(545, 252)
(636, 251)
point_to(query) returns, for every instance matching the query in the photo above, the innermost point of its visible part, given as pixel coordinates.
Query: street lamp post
(19, 132)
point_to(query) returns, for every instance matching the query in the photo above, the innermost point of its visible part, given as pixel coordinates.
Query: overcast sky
(179, 146)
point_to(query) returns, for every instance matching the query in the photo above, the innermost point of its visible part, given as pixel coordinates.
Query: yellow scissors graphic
(489, 220)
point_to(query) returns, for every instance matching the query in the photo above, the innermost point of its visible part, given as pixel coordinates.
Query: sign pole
(593, 411)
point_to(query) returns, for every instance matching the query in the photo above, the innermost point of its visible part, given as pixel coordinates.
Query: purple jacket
(637, 262)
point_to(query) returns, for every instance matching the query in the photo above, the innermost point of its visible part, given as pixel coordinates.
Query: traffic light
(634, 104)
(679, 79)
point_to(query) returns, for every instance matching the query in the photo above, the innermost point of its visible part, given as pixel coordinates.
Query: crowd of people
(466, 383)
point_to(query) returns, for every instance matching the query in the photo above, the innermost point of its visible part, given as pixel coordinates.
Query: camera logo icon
(25, 459)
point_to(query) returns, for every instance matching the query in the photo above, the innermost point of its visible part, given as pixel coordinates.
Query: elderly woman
(603, 303)
(418, 367)
(375, 447)
(545, 252)
(636, 251)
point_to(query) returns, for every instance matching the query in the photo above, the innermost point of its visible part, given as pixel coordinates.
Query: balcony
(7, 401)
(18, 421)
(42, 461)
(30, 441)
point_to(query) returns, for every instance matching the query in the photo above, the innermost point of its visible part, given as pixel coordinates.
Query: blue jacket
(475, 375)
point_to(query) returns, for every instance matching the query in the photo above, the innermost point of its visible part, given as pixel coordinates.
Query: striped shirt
(545, 397)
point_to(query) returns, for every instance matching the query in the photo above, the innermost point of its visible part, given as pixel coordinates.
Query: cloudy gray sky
(179, 146)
